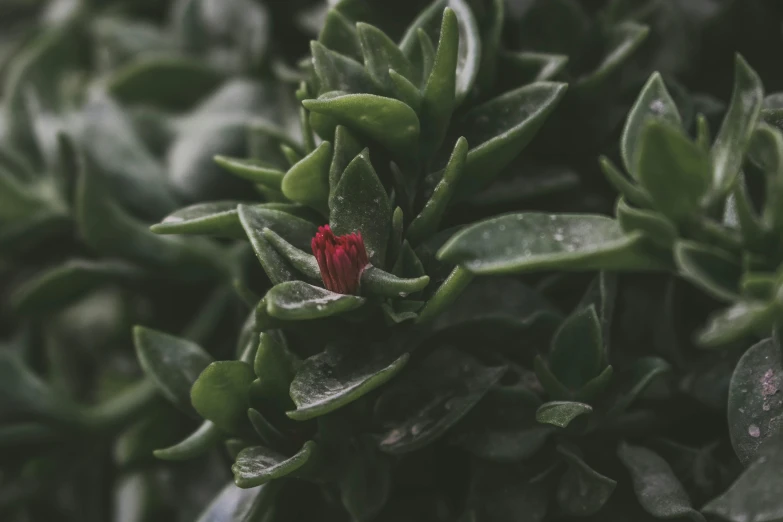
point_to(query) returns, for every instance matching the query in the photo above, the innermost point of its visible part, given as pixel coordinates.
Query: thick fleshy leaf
(346, 148)
(626, 187)
(735, 133)
(235, 504)
(561, 413)
(23, 393)
(428, 221)
(216, 219)
(578, 349)
(172, 363)
(107, 228)
(422, 405)
(340, 375)
(388, 121)
(220, 394)
(742, 319)
(503, 428)
(652, 225)
(378, 282)
(258, 465)
(448, 292)
(582, 491)
(304, 262)
(269, 434)
(622, 40)
(534, 241)
(673, 170)
(360, 204)
(307, 182)
(755, 402)
(499, 129)
(266, 174)
(337, 72)
(167, 82)
(298, 301)
(634, 381)
(381, 54)
(711, 269)
(275, 367)
(294, 229)
(54, 289)
(755, 495)
(654, 102)
(438, 95)
(197, 443)
(134, 174)
(339, 34)
(469, 59)
(366, 483)
(766, 150)
(657, 488)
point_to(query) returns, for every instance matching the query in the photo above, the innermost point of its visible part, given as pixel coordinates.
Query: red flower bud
(342, 259)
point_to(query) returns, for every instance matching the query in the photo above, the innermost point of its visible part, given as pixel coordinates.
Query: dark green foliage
(571, 214)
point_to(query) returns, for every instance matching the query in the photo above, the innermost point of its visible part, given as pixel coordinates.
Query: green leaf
(339, 35)
(623, 40)
(735, 133)
(582, 491)
(766, 150)
(216, 218)
(307, 182)
(258, 465)
(577, 352)
(110, 230)
(503, 428)
(654, 226)
(275, 367)
(755, 404)
(654, 103)
(388, 121)
(469, 59)
(439, 93)
(657, 488)
(711, 269)
(339, 375)
(561, 413)
(296, 230)
(674, 171)
(269, 434)
(260, 172)
(361, 205)
(741, 319)
(337, 72)
(627, 188)
(297, 301)
(381, 54)
(220, 394)
(405, 91)
(446, 294)
(633, 382)
(302, 261)
(173, 83)
(346, 148)
(500, 128)
(23, 392)
(54, 289)
(527, 66)
(378, 282)
(428, 221)
(532, 241)
(755, 495)
(234, 504)
(423, 404)
(197, 443)
(138, 179)
(366, 482)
